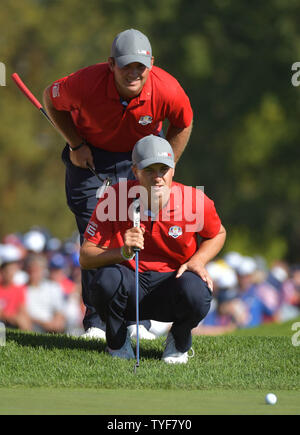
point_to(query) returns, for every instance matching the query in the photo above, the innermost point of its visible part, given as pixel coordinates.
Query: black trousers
(185, 301)
(81, 186)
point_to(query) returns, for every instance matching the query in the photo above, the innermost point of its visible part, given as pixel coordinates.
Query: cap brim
(147, 162)
(130, 58)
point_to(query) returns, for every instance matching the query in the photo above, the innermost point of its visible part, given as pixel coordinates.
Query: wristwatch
(78, 146)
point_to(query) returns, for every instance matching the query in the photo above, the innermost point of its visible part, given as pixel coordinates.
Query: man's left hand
(198, 269)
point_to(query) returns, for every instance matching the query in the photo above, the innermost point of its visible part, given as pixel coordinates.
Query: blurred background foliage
(234, 61)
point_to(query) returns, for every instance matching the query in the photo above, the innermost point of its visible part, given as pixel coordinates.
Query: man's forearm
(178, 138)
(210, 248)
(62, 120)
(93, 257)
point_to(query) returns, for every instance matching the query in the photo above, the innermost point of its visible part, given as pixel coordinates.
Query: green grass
(227, 370)
(220, 362)
(269, 329)
(52, 401)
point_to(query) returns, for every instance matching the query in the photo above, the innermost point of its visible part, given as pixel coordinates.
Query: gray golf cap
(152, 149)
(131, 46)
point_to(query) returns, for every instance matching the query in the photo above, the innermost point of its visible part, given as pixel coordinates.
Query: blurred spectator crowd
(40, 287)
(40, 283)
(248, 293)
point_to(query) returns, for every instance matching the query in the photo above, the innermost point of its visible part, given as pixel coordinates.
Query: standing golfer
(102, 111)
(174, 285)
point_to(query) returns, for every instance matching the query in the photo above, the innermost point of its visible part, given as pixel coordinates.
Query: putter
(105, 183)
(21, 85)
(136, 223)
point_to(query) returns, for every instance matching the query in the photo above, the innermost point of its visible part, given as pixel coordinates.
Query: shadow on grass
(53, 341)
(61, 341)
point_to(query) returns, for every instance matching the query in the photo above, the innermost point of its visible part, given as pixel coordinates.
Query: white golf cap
(279, 273)
(233, 259)
(54, 244)
(214, 269)
(10, 254)
(34, 241)
(20, 277)
(227, 279)
(247, 266)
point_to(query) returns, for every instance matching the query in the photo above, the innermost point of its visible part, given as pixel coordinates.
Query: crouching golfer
(174, 285)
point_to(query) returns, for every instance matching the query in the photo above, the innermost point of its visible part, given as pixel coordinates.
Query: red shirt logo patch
(145, 120)
(175, 231)
(91, 229)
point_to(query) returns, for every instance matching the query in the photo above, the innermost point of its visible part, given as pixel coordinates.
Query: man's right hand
(133, 238)
(82, 157)
(64, 123)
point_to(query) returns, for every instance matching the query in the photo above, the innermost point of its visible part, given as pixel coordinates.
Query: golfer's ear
(152, 62)
(111, 63)
(134, 170)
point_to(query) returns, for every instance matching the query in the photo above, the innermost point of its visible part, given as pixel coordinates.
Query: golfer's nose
(157, 175)
(133, 73)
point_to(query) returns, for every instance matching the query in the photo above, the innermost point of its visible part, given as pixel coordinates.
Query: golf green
(20, 400)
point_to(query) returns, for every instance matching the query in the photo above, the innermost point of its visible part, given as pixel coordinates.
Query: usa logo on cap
(175, 231)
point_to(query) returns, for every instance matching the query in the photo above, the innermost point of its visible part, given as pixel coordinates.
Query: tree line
(234, 60)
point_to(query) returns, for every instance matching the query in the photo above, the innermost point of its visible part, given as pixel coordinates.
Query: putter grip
(136, 218)
(26, 91)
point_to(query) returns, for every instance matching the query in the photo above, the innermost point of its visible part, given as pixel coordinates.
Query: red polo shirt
(91, 96)
(12, 298)
(170, 240)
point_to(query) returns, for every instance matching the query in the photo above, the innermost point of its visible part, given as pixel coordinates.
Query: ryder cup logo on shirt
(175, 231)
(144, 120)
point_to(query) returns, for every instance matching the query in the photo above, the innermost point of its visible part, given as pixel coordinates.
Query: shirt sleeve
(97, 231)
(171, 98)
(67, 92)
(200, 214)
(180, 111)
(212, 222)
